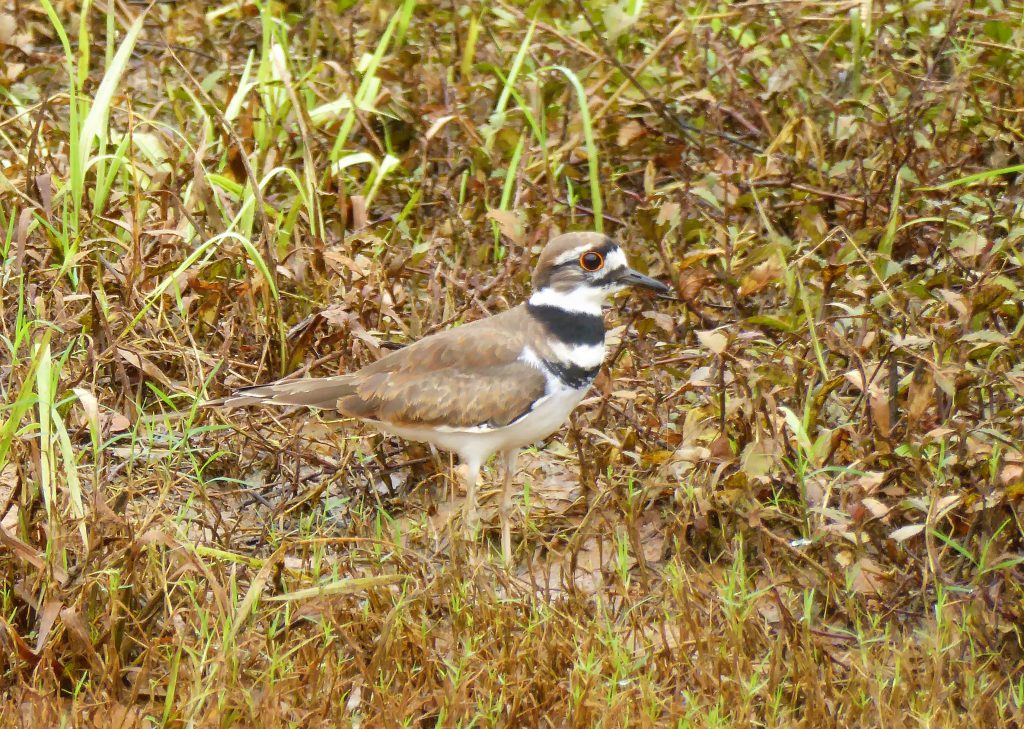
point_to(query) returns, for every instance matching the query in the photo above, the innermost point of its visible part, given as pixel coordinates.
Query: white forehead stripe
(615, 259)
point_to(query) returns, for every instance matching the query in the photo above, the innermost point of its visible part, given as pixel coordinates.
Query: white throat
(580, 300)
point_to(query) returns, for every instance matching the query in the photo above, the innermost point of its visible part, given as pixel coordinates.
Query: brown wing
(315, 392)
(463, 377)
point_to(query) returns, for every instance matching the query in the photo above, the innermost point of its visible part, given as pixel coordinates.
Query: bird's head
(579, 271)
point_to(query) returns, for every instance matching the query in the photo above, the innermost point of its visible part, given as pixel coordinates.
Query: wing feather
(465, 377)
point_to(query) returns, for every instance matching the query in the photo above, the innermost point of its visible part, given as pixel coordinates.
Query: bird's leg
(472, 518)
(505, 509)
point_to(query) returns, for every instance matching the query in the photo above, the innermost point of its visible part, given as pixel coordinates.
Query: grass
(793, 498)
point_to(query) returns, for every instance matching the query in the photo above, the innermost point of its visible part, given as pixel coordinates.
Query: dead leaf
(47, 617)
(44, 184)
(721, 447)
(662, 320)
(969, 244)
(90, 406)
(118, 716)
(880, 413)
(715, 340)
(857, 378)
(8, 484)
(509, 224)
(920, 394)
(617, 20)
(343, 586)
(758, 457)
(652, 538)
(1011, 473)
(628, 132)
(78, 631)
(769, 609)
(866, 577)
(876, 507)
(146, 366)
(669, 213)
(360, 218)
(437, 126)
(870, 481)
(906, 532)
(22, 550)
(7, 28)
(9, 635)
(760, 276)
(957, 301)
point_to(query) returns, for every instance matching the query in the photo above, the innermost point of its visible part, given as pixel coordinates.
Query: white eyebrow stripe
(572, 255)
(613, 259)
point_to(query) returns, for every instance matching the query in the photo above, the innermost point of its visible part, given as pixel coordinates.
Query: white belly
(477, 444)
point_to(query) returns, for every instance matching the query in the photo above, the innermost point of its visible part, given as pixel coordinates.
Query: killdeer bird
(493, 385)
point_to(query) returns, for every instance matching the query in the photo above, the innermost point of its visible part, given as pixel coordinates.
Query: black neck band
(571, 327)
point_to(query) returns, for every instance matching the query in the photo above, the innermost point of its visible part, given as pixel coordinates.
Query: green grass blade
(588, 136)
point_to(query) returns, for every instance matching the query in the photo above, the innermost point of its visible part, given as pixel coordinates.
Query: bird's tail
(316, 392)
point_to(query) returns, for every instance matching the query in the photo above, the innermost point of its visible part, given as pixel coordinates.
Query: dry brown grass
(793, 499)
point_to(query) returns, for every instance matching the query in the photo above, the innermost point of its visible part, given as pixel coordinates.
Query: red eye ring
(591, 261)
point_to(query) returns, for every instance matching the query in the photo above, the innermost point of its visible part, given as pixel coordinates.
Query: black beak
(634, 278)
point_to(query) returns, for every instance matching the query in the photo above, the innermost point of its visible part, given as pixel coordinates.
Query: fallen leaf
(870, 481)
(118, 716)
(716, 341)
(344, 586)
(969, 244)
(920, 394)
(876, 507)
(907, 532)
(662, 320)
(7, 27)
(866, 577)
(146, 366)
(90, 406)
(759, 277)
(509, 224)
(78, 631)
(437, 126)
(758, 457)
(1011, 473)
(957, 301)
(880, 414)
(47, 617)
(652, 538)
(628, 132)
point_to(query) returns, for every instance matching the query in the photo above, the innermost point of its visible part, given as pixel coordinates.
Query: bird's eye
(591, 261)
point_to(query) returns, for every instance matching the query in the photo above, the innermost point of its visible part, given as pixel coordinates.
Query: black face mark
(609, 279)
(570, 327)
